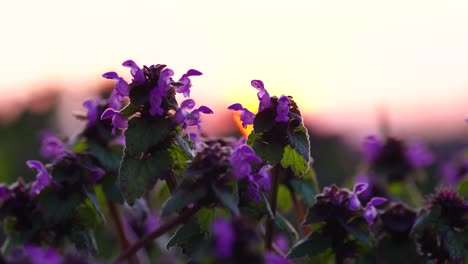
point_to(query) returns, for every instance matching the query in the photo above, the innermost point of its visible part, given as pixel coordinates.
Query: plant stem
(299, 211)
(270, 224)
(119, 229)
(186, 214)
(171, 183)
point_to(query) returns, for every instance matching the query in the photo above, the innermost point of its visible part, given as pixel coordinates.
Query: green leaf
(283, 224)
(187, 145)
(205, 216)
(183, 233)
(463, 188)
(111, 189)
(95, 203)
(227, 199)
(454, 244)
(271, 153)
(292, 159)
(284, 198)
(56, 207)
(179, 158)
(109, 158)
(264, 120)
(359, 230)
(299, 140)
(143, 133)
(80, 146)
(305, 187)
(139, 175)
(313, 245)
(129, 110)
(86, 215)
(426, 218)
(181, 198)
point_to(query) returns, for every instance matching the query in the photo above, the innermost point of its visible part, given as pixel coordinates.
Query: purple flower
(43, 179)
(418, 155)
(370, 213)
(282, 109)
(282, 243)
(186, 118)
(246, 116)
(135, 71)
(453, 171)
(224, 237)
(155, 101)
(186, 82)
(118, 120)
(52, 147)
(93, 111)
(164, 81)
(353, 203)
(272, 258)
(240, 161)
(121, 89)
(263, 95)
(39, 255)
(372, 148)
(5, 192)
(366, 194)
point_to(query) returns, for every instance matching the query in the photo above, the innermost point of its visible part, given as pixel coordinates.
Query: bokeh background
(354, 67)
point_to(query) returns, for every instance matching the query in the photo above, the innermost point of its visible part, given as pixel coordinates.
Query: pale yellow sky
(330, 55)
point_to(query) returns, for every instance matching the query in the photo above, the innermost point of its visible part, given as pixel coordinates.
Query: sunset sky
(341, 60)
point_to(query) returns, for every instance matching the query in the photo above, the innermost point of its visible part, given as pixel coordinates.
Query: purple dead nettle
(263, 95)
(92, 115)
(372, 146)
(224, 237)
(43, 179)
(418, 155)
(454, 171)
(135, 71)
(186, 82)
(118, 120)
(273, 258)
(240, 160)
(258, 182)
(52, 147)
(5, 192)
(282, 109)
(246, 116)
(370, 212)
(121, 90)
(160, 91)
(190, 118)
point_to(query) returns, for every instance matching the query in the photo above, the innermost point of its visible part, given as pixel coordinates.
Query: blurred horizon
(352, 67)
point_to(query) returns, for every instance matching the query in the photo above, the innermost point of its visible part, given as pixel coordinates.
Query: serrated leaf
(143, 134)
(183, 233)
(313, 245)
(299, 140)
(292, 159)
(139, 175)
(56, 207)
(227, 199)
(109, 158)
(359, 230)
(179, 158)
(181, 198)
(264, 120)
(270, 153)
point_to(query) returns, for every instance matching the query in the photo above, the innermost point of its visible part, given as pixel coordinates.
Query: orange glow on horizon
(244, 131)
